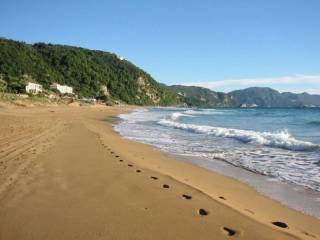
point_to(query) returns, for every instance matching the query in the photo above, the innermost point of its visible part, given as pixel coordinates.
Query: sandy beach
(65, 174)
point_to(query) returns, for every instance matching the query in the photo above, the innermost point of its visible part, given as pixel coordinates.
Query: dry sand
(64, 174)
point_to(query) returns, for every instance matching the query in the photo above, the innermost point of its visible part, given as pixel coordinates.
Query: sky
(219, 44)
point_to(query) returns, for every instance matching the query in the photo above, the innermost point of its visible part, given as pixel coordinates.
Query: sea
(274, 150)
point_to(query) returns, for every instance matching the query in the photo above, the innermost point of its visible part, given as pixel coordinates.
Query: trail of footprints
(204, 212)
(19, 149)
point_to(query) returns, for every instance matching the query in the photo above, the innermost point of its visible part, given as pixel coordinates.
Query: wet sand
(291, 195)
(65, 174)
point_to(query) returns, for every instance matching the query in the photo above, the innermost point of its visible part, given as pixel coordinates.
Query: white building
(33, 88)
(62, 88)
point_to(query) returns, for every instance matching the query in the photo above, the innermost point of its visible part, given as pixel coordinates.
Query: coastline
(288, 193)
(136, 199)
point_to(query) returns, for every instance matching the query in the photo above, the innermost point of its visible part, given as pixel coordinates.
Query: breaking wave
(177, 115)
(282, 139)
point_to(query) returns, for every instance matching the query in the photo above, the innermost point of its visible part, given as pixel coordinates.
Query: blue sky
(223, 45)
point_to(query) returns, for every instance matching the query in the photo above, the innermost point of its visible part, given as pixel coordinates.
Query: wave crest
(282, 139)
(177, 115)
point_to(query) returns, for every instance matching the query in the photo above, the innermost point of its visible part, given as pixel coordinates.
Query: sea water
(277, 151)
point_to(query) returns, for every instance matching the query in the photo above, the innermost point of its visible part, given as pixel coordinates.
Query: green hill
(104, 75)
(87, 71)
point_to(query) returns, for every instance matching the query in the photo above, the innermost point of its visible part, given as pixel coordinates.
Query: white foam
(155, 126)
(281, 139)
(191, 113)
(177, 115)
(204, 112)
(140, 115)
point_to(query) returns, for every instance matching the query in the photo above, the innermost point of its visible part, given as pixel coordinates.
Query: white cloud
(308, 83)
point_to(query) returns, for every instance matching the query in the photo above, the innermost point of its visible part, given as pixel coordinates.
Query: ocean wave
(282, 139)
(140, 115)
(176, 115)
(190, 113)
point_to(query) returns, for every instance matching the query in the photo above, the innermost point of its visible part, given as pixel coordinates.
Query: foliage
(88, 70)
(83, 69)
(3, 85)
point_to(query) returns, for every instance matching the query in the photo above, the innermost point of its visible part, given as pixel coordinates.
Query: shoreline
(174, 157)
(287, 194)
(294, 196)
(225, 200)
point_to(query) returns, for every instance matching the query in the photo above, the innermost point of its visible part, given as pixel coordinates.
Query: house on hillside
(33, 88)
(63, 89)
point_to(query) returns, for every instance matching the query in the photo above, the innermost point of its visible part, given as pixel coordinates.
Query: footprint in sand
(185, 196)
(280, 224)
(308, 234)
(117, 156)
(154, 178)
(138, 170)
(130, 165)
(230, 232)
(223, 198)
(165, 186)
(112, 152)
(249, 211)
(203, 212)
(120, 160)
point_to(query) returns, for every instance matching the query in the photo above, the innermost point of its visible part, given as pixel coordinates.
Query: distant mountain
(202, 97)
(306, 98)
(268, 97)
(193, 96)
(87, 71)
(264, 97)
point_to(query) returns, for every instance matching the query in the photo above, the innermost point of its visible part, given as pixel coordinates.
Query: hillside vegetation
(87, 71)
(104, 75)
